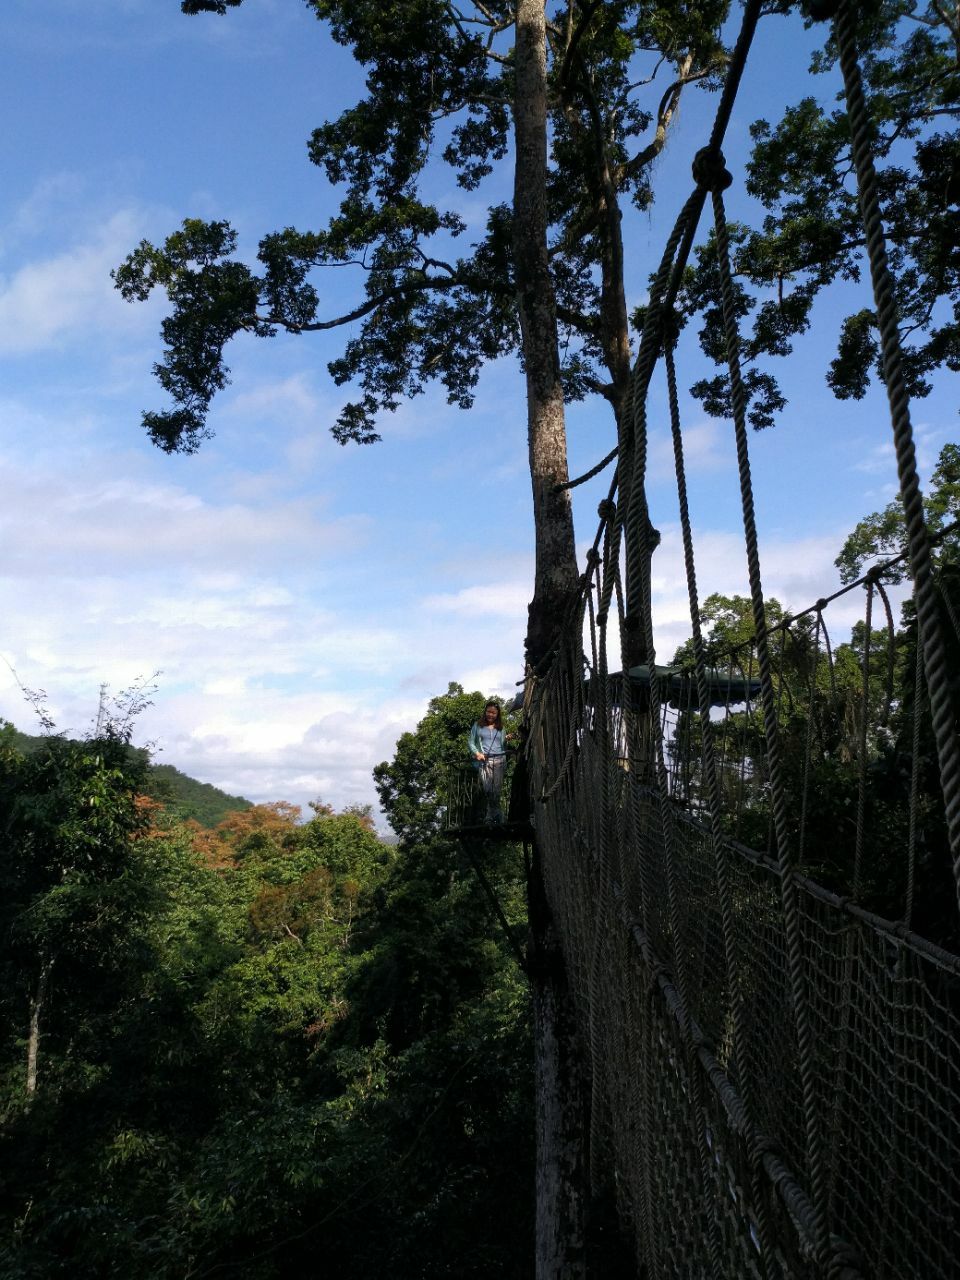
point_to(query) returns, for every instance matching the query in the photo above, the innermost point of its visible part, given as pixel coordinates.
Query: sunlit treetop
(437, 298)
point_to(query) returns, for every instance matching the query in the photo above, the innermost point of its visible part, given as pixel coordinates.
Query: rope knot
(710, 170)
(670, 323)
(593, 558)
(607, 509)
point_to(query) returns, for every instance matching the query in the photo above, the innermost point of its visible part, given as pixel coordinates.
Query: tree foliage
(440, 90)
(858, 762)
(257, 1042)
(811, 238)
(413, 786)
(882, 535)
(190, 799)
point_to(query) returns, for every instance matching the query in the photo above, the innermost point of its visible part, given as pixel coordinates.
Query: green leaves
(439, 91)
(413, 786)
(213, 299)
(882, 534)
(209, 6)
(254, 1039)
(801, 171)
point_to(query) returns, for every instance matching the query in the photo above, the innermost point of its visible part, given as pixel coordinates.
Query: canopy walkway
(759, 924)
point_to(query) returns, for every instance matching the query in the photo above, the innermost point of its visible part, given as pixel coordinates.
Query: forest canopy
(233, 1046)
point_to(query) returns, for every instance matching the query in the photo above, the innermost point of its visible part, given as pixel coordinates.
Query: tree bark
(555, 578)
(33, 1037)
(560, 1094)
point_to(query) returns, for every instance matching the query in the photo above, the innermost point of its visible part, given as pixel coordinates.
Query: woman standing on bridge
(488, 748)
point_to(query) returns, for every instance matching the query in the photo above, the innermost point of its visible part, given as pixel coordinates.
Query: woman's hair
(498, 723)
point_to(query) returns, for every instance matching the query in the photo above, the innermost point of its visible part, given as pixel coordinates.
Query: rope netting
(751, 859)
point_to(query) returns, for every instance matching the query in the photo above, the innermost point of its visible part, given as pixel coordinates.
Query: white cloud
(797, 572)
(880, 460)
(285, 674)
(505, 599)
(702, 451)
(71, 293)
(928, 438)
(47, 205)
(268, 687)
(55, 522)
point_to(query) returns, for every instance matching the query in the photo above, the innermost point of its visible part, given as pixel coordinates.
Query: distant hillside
(189, 798)
(184, 795)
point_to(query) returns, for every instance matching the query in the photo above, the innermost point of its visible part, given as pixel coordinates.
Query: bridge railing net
(753, 861)
(466, 806)
(700, 1109)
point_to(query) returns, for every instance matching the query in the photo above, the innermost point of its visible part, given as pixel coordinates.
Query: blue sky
(303, 601)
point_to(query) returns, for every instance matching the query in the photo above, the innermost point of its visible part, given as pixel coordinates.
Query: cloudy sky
(303, 601)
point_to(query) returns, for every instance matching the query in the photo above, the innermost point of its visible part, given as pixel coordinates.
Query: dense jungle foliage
(268, 1047)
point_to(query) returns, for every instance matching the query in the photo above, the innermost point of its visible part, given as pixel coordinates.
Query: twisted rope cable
(613, 530)
(785, 856)
(639, 611)
(601, 915)
(575, 723)
(921, 563)
(914, 785)
(639, 549)
(718, 844)
(951, 609)
(588, 475)
(891, 649)
(631, 467)
(808, 744)
(862, 746)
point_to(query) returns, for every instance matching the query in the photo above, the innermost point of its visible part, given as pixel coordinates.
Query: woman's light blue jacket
(495, 737)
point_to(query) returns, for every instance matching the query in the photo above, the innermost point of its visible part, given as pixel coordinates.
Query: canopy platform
(465, 816)
(678, 686)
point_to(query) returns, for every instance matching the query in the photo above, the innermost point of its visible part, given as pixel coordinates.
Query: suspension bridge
(753, 859)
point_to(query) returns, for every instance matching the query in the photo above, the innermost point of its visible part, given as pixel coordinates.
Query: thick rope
(934, 650)
(588, 475)
(719, 847)
(808, 744)
(914, 785)
(862, 745)
(891, 649)
(692, 1102)
(785, 856)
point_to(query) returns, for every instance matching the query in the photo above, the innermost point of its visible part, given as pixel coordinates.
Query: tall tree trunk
(560, 1094)
(560, 1165)
(33, 1037)
(556, 561)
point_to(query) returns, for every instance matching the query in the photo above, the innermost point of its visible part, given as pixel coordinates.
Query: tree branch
(665, 112)
(575, 38)
(407, 286)
(639, 84)
(493, 27)
(577, 320)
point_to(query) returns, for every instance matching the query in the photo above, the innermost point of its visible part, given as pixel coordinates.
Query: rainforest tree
(457, 86)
